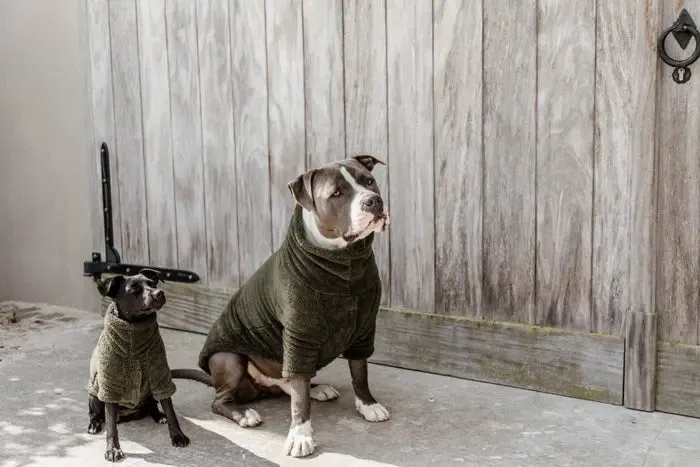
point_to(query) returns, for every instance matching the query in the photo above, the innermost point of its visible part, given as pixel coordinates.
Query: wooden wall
(527, 144)
(519, 170)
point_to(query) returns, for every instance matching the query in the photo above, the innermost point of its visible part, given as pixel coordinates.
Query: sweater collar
(114, 321)
(360, 249)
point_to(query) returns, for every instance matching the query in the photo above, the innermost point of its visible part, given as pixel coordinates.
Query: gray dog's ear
(152, 275)
(368, 161)
(302, 190)
(110, 287)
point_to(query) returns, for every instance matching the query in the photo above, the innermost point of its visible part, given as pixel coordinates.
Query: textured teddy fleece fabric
(129, 362)
(304, 307)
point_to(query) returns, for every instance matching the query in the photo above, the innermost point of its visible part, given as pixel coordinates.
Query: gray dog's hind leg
(96, 412)
(227, 371)
(154, 411)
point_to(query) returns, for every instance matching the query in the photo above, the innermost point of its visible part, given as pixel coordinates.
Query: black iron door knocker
(683, 30)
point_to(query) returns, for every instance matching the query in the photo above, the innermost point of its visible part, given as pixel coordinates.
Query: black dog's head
(136, 297)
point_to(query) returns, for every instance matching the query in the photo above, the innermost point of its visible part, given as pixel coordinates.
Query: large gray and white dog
(316, 298)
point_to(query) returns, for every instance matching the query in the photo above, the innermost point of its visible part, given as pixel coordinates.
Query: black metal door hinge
(112, 264)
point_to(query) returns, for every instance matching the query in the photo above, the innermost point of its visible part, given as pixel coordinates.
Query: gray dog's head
(136, 297)
(344, 198)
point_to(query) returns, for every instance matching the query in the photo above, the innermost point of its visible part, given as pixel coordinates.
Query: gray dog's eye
(336, 193)
(370, 182)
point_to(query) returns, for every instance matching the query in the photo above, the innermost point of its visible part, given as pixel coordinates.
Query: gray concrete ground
(436, 421)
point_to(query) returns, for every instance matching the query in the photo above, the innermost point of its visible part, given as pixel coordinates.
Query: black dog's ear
(302, 190)
(152, 275)
(110, 287)
(368, 161)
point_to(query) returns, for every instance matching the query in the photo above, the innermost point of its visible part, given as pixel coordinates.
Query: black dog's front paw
(180, 440)
(94, 427)
(161, 418)
(114, 454)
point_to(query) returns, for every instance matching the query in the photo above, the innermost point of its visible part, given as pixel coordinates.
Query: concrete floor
(436, 421)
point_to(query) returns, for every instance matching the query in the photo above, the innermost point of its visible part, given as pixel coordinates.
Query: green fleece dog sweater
(304, 307)
(129, 362)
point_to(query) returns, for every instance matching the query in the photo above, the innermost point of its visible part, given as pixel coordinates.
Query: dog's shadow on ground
(55, 433)
(206, 448)
(341, 435)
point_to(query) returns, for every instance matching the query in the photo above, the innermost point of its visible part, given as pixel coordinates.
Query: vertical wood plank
(364, 52)
(678, 289)
(249, 82)
(458, 157)
(509, 160)
(565, 94)
(91, 143)
(624, 204)
(410, 115)
(157, 148)
(323, 81)
(285, 64)
(187, 136)
(640, 361)
(98, 23)
(129, 133)
(220, 197)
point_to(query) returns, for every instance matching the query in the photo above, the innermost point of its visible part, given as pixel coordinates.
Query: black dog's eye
(370, 182)
(134, 289)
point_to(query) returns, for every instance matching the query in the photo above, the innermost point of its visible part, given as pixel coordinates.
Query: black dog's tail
(195, 375)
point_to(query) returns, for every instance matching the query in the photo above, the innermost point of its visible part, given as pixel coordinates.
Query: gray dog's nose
(374, 203)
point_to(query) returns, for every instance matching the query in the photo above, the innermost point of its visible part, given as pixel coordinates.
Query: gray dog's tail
(195, 375)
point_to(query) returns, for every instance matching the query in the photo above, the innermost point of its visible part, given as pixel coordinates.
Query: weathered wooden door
(519, 138)
(678, 286)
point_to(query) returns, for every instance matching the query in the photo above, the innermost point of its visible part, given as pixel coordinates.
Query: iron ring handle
(662, 46)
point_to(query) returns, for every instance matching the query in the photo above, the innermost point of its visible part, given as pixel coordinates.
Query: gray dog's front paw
(300, 441)
(114, 454)
(375, 412)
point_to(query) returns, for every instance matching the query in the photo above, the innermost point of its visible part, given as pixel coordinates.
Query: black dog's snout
(159, 295)
(373, 203)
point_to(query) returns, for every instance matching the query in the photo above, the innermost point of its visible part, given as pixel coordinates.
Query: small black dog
(129, 372)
